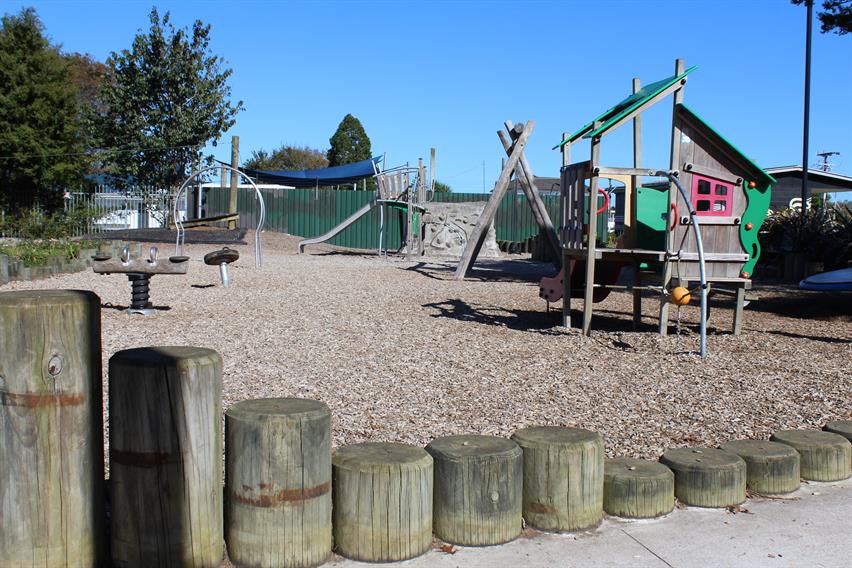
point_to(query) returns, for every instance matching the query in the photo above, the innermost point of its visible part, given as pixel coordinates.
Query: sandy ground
(401, 352)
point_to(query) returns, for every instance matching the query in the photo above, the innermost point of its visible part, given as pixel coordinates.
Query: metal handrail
(181, 232)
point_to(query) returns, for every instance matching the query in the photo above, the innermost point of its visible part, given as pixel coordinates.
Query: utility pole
(806, 191)
(826, 165)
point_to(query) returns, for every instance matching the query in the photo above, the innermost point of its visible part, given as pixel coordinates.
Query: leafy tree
(441, 187)
(287, 158)
(836, 15)
(165, 98)
(87, 75)
(40, 142)
(349, 144)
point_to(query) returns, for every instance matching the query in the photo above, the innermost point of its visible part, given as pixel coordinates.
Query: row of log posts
(166, 464)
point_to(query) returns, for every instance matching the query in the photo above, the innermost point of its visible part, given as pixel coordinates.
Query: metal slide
(339, 228)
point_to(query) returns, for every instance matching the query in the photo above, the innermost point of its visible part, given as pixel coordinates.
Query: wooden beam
(523, 173)
(235, 179)
(471, 249)
(592, 235)
(673, 165)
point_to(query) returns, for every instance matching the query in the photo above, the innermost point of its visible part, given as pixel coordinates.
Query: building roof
(814, 175)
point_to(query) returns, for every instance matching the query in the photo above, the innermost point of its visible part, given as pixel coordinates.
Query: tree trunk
(166, 457)
(563, 477)
(51, 429)
(382, 501)
(478, 489)
(278, 483)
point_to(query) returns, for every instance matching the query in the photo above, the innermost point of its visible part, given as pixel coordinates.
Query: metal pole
(806, 191)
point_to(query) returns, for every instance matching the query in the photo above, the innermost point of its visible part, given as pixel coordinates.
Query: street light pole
(806, 191)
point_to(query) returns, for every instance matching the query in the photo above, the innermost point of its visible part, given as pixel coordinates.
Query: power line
(115, 150)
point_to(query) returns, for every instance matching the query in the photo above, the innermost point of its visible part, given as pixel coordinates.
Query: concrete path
(812, 529)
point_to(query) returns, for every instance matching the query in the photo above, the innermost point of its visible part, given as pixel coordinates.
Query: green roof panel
(625, 107)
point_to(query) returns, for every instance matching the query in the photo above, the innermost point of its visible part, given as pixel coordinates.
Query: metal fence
(312, 212)
(139, 208)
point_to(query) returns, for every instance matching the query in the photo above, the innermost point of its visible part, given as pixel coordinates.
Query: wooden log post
(235, 180)
(637, 489)
(707, 477)
(166, 457)
(382, 495)
(278, 483)
(563, 477)
(825, 456)
(771, 468)
(478, 489)
(51, 429)
(842, 427)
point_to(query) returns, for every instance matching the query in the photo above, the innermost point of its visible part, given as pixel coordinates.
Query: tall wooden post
(674, 164)
(51, 429)
(235, 179)
(431, 169)
(166, 457)
(592, 234)
(567, 263)
(630, 205)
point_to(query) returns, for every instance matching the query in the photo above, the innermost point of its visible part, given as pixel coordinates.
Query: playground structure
(713, 196)
(514, 144)
(139, 272)
(400, 189)
(181, 225)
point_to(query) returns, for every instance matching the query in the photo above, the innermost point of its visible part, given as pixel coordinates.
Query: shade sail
(337, 175)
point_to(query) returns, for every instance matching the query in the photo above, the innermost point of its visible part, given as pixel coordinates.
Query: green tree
(441, 187)
(40, 143)
(287, 158)
(349, 143)
(836, 15)
(165, 98)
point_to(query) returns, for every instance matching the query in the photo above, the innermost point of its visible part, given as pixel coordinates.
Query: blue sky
(447, 74)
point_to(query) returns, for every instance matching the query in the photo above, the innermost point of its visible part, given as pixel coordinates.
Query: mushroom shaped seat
(221, 256)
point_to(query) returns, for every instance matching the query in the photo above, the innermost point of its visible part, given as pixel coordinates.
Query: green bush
(824, 234)
(35, 224)
(36, 253)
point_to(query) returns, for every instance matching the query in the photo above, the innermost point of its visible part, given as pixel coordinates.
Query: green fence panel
(310, 213)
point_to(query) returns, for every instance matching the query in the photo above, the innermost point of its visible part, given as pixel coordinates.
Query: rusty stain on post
(39, 400)
(282, 496)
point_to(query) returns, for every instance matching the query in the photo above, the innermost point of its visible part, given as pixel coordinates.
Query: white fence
(134, 209)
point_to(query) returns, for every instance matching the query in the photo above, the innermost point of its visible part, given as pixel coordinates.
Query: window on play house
(711, 197)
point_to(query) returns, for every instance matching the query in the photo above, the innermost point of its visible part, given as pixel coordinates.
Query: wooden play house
(729, 194)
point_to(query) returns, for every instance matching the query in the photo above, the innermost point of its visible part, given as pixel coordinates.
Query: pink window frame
(727, 199)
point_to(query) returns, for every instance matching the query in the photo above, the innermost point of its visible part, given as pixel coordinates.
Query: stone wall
(447, 226)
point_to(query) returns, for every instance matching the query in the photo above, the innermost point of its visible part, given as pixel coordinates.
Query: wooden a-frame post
(477, 237)
(524, 175)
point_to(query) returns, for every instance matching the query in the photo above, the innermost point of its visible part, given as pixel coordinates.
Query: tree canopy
(349, 143)
(440, 187)
(836, 15)
(40, 137)
(165, 98)
(287, 158)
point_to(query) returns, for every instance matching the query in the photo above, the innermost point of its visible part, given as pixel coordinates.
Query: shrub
(824, 234)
